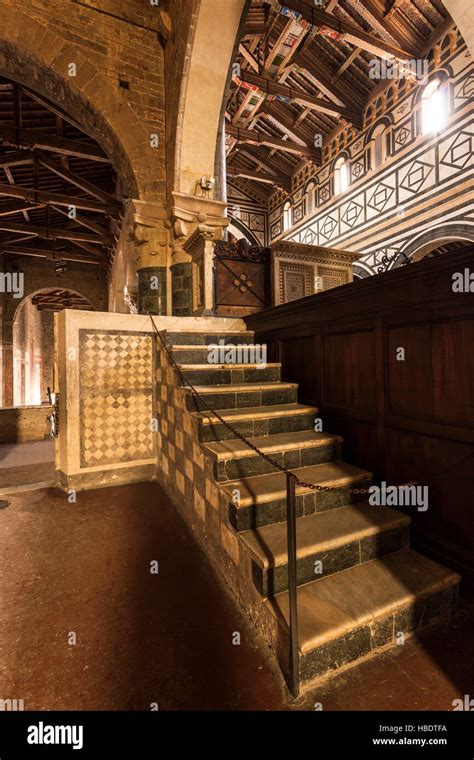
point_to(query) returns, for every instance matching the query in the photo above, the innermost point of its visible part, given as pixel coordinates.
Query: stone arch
(36, 57)
(444, 74)
(386, 120)
(46, 290)
(33, 348)
(422, 244)
(213, 37)
(239, 231)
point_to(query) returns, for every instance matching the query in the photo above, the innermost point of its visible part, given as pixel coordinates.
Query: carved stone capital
(192, 209)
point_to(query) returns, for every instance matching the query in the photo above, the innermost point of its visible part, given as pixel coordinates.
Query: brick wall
(109, 40)
(26, 424)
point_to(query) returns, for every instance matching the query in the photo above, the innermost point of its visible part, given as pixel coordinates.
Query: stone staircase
(360, 587)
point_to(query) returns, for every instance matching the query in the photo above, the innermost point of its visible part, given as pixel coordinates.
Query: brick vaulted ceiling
(58, 195)
(322, 50)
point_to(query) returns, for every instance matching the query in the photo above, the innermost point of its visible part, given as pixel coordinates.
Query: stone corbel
(148, 229)
(193, 211)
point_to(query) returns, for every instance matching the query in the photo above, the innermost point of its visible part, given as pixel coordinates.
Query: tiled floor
(83, 569)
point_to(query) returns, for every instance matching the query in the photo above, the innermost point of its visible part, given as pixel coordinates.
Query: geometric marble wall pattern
(116, 396)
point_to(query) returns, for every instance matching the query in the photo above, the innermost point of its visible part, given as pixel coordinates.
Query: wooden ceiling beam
(84, 222)
(54, 233)
(347, 31)
(16, 158)
(249, 57)
(61, 306)
(384, 26)
(92, 249)
(257, 30)
(345, 65)
(51, 107)
(11, 182)
(261, 176)
(75, 179)
(340, 91)
(252, 137)
(254, 155)
(294, 93)
(52, 255)
(262, 160)
(281, 115)
(16, 207)
(59, 199)
(255, 190)
(33, 138)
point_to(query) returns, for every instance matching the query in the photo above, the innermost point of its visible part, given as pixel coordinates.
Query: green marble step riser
(433, 609)
(209, 358)
(247, 466)
(258, 515)
(207, 376)
(207, 339)
(273, 580)
(242, 399)
(258, 427)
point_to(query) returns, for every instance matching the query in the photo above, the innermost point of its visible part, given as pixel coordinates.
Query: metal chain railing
(213, 413)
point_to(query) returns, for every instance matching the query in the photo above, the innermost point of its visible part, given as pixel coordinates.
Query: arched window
(378, 146)
(434, 107)
(287, 216)
(310, 198)
(341, 176)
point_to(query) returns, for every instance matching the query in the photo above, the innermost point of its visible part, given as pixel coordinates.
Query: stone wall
(26, 423)
(39, 275)
(117, 93)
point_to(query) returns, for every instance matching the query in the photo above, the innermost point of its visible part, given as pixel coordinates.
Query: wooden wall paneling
(349, 369)
(403, 420)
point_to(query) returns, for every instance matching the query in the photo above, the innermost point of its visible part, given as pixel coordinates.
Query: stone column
(152, 290)
(151, 238)
(193, 215)
(201, 248)
(181, 273)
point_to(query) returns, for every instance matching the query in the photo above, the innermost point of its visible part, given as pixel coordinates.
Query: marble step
(242, 395)
(207, 338)
(230, 374)
(243, 354)
(233, 459)
(261, 499)
(352, 613)
(326, 542)
(256, 421)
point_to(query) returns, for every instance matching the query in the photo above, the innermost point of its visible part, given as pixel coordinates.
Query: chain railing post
(294, 673)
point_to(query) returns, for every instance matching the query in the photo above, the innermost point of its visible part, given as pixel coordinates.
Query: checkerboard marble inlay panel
(117, 399)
